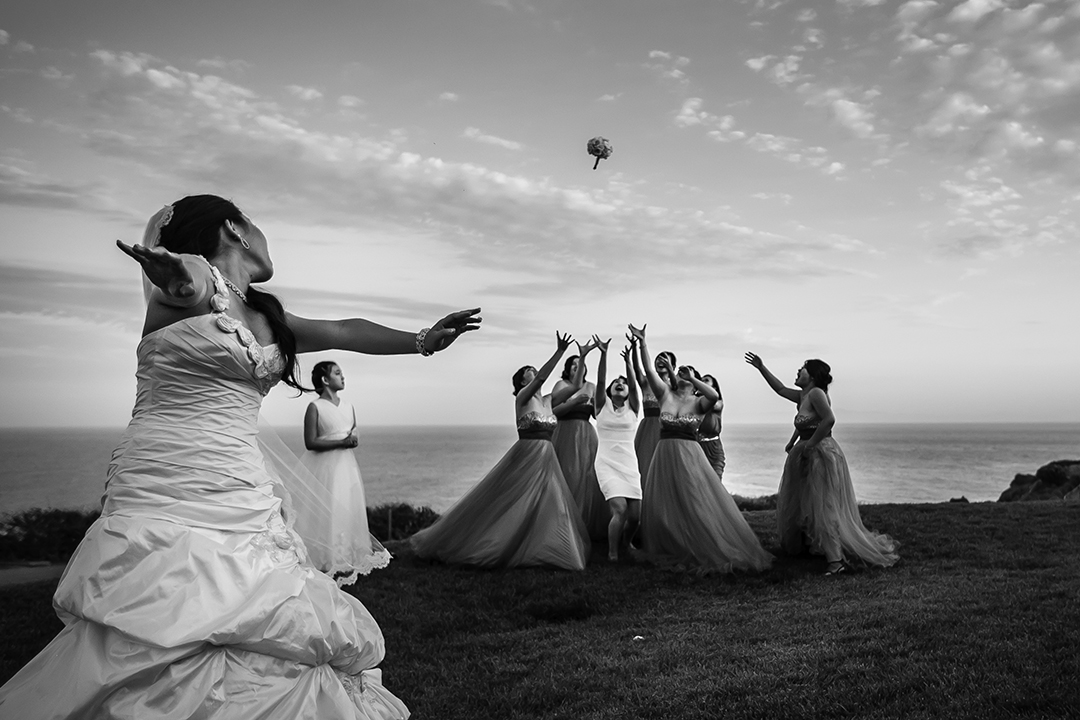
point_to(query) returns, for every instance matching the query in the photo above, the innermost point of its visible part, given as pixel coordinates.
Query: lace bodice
(806, 421)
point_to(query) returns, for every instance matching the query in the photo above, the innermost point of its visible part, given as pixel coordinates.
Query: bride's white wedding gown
(190, 596)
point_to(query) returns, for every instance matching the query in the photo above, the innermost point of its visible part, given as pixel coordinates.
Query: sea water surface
(434, 466)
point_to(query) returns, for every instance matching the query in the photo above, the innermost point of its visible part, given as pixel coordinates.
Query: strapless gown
(575, 444)
(345, 548)
(648, 435)
(521, 514)
(687, 516)
(816, 506)
(191, 596)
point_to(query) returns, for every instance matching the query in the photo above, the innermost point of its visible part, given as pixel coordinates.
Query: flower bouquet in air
(599, 148)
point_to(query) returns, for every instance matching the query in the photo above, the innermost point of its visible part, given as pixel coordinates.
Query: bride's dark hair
(195, 229)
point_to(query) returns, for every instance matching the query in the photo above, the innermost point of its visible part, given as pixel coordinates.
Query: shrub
(43, 534)
(396, 521)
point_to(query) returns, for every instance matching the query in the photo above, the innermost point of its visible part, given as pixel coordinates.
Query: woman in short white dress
(616, 462)
(346, 548)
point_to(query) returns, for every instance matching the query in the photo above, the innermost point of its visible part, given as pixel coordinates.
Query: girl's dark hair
(195, 229)
(321, 370)
(519, 376)
(607, 390)
(820, 372)
(566, 368)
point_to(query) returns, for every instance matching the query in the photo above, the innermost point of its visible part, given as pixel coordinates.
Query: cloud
(4, 37)
(475, 134)
(22, 47)
(972, 11)
(304, 93)
(349, 101)
(218, 63)
(669, 67)
(449, 97)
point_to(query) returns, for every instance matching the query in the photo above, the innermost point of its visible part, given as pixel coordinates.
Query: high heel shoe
(836, 567)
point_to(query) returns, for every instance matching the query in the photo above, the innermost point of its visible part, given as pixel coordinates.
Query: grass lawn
(981, 619)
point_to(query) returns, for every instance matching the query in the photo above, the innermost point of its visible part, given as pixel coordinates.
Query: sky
(889, 185)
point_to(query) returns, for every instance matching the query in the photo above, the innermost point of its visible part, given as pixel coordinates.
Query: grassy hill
(981, 619)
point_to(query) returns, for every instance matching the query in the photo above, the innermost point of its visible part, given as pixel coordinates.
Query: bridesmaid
(522, 513)
(576, 442)
(343, 546)
(616, 463)
(687, 516)
(709, 430)
(816, 504)
(648, 432)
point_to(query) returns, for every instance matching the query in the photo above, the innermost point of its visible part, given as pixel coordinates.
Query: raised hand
(562, 341)
(632, 339)
(638, 333)
(166, 270)
(602, 344)
(450, 328)
(754, 360)
(626, 354)
(584, 350)
(665, 364)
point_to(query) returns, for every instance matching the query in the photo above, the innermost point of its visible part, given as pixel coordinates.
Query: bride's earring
(241, 238)
(244, 242)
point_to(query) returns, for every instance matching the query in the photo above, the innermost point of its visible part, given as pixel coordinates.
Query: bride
(192, 596)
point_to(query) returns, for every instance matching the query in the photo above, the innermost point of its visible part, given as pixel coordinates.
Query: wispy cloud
(482, 137)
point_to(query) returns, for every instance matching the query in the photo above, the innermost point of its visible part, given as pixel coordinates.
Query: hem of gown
(348, 573)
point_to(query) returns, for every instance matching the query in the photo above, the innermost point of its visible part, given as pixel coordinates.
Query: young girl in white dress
(616, 462)
(347, 548)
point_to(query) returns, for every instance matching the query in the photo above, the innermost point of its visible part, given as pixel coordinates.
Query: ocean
(433, 466)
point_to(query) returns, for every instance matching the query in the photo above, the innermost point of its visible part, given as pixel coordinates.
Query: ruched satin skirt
(688, 517)
(816, 508)
(520, 514)
(575, 444)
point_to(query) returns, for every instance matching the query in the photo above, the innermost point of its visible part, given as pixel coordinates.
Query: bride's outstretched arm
(778, 387)
(363, 336)
(180, 281)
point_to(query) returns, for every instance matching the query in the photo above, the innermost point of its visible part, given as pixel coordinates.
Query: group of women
(193, 594)
(659, 477)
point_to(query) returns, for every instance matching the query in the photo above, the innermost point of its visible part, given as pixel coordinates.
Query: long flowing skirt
(688, 517)
(648, 435)
(520, 514)
(344, 544)
(575, 444)
(714, 453)
(816, 506)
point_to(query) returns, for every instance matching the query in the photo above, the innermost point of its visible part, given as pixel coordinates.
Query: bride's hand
(166, 270)
(754, 360)
(450, 328)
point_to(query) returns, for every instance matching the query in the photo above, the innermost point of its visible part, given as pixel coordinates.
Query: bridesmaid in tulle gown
(616, 463)
(575, 441)
(709, 430)
(192, 595)
(648, 432)
(522, 513)
(687, 517)
(815, 505)
(330, 436)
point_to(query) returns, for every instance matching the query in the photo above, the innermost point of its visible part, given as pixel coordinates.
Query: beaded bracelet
(420, 336)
